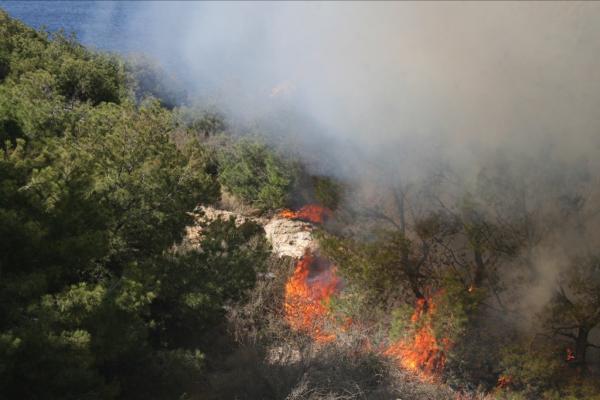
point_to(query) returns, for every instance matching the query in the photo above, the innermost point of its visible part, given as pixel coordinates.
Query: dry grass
(273, 362)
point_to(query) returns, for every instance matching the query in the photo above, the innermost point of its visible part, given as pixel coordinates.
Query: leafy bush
(96, 80)
(147, 79)
(96, 299)
(209, 124)
(256, 174)
(4, 64)
(370, 265)
(328, 192)
(538, 369)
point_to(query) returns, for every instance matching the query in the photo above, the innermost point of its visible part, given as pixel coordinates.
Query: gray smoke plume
(397, 79)
(393, 89)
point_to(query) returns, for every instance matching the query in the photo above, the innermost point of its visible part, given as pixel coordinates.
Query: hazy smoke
(397, 87)
(397, 79)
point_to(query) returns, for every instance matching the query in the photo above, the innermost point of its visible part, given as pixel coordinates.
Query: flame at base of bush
(424, 353)
(307, 294)
(311, 213)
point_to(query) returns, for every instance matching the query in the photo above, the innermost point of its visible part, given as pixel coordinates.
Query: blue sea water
(100, 24)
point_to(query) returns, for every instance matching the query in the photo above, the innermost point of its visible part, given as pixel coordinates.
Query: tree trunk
(415, 288)
(581, 344)
(399, 196)
(479, 267)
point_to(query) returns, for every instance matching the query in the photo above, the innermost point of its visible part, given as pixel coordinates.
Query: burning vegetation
(422, 353)
(475, 269)
(307, 295)
(308, 291)
(309, 213)
(446, 264)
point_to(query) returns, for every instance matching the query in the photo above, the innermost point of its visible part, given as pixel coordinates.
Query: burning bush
(420, 348)
(307, 296)
(309, 213)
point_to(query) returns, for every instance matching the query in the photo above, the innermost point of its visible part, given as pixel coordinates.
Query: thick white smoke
(390, 89)
(397, 79)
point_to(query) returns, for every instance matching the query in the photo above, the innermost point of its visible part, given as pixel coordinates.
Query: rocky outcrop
(288, 237)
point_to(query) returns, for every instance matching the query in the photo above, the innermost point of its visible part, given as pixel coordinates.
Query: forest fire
(423, 353)
(307, 294)
(311, 213)
(314, 281)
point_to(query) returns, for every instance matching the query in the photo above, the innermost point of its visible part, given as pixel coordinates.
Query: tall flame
(307, 294)
(424, 353)
(309, 289)
(311, 212)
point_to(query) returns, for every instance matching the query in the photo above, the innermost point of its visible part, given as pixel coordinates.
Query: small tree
(256, 174)
(575, 308)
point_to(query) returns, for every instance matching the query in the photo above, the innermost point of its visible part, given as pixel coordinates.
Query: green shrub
(400, 323)
(4, 64)
(94, 198)
(371, 265)
(533, 372)
(147, 79)
(328, 191)
(206, 124)
(256, 174)
(97, 80)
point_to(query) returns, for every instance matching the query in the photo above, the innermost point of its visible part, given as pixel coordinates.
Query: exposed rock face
(288, 237)
(211, 213)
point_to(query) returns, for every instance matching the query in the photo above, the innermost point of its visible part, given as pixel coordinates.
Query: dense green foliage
(328, 192)
(95, 300)
(148, 79)
(256, 174)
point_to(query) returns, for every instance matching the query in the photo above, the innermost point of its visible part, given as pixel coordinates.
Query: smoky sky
(399, 86)
(396, 80)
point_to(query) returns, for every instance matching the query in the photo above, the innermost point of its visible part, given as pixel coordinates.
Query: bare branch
(368, 212)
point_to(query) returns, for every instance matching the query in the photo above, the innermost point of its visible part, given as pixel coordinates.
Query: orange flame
(570, 354)
(307, 294)
(311, 213)
(504, 381)
(423, 353)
